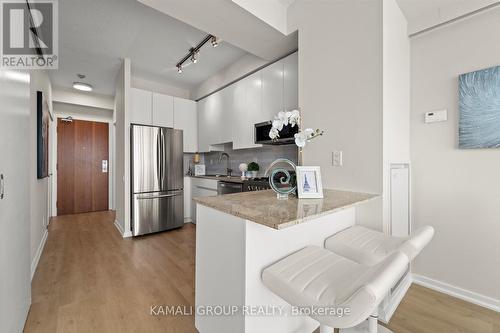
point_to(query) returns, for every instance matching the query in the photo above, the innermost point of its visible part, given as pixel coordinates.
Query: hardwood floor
(89, 279)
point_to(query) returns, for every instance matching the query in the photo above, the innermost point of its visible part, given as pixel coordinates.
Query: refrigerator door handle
(158, 154)
(159, 196)
(163, 154)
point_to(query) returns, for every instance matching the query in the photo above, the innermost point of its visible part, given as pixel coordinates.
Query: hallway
(89, 279)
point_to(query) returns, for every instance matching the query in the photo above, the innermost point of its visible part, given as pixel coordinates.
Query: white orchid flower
(300, 139)
(294, 117)
(308, 133)
(278, 124)
(274, 133)
(281, 116)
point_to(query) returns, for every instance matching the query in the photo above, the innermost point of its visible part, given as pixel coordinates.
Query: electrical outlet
(337, 158)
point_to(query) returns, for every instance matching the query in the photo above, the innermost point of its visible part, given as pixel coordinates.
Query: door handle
(2, 187)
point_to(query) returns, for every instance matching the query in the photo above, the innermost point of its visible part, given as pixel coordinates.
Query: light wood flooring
(89, 279)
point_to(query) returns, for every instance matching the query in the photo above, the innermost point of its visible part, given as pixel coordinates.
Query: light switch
(337, 159)
(436, 116)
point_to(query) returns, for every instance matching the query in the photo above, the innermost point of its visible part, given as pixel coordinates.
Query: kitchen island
(238, 235)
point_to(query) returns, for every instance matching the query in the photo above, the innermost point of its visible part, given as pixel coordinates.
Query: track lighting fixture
(194, 51)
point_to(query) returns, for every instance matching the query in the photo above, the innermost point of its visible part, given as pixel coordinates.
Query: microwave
(287, 134)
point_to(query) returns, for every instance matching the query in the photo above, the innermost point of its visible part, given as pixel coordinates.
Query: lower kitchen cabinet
(201, 187)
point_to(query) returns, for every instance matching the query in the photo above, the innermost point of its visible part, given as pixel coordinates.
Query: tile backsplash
(264, 156)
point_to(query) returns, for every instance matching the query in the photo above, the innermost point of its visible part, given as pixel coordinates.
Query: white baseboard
(463, 294)
(188, 220)
(34, 263)
(393, 302)
(122, 232)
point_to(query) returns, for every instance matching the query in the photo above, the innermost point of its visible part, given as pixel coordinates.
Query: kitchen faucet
(228, 169)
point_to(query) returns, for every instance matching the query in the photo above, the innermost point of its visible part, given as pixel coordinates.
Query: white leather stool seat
(369, 247)
(317, 277)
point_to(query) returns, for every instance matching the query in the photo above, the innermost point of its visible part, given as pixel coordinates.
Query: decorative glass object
(282, 179)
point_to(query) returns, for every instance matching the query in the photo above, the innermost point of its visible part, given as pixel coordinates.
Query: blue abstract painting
(480, 109)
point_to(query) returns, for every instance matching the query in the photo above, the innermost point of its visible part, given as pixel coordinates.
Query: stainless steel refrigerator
(157, 179)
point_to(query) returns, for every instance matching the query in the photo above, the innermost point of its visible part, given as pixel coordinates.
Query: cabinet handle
(2, 187)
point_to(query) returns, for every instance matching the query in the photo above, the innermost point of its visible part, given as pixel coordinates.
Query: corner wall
(122, 151)
(39, 188)
(456, 191)
(340, 92)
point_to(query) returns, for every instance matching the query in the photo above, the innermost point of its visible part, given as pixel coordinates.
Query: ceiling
(424, 14)
(95, 35)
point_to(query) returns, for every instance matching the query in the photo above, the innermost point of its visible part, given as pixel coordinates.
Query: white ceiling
(94, 36)
(423, 14)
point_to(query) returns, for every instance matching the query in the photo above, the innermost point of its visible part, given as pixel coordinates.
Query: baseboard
(386, 314)
(463, 294)
(34, 263)
(188, 220)
(122, 232)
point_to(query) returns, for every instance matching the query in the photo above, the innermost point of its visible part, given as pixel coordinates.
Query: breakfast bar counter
(238, 235)
(264, 208)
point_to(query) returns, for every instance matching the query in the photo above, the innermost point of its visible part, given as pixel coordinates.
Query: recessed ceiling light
(82, 86)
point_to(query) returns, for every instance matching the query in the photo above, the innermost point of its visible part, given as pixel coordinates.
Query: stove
(256, 184)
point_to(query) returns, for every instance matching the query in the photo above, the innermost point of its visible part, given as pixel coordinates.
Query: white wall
(244, 65)
(456, 191)
(396, 81)
(83, 98)
(15, 161)
(159, 87)
(340, 91)
(122, 153)
(39, 188)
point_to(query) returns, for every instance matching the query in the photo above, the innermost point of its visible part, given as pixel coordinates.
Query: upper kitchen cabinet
(272, 90)
(186, 119)
(140, 106)
(163, 110)
(291, 81)
(227, 110)
(247, 99)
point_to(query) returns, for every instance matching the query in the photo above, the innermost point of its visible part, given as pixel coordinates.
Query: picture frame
(43, 120)
(309, 185)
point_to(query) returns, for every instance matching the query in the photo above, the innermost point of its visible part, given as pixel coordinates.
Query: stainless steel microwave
(287, 134)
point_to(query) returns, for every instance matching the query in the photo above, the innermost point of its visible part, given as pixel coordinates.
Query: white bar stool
(369, 247)
(320, 279)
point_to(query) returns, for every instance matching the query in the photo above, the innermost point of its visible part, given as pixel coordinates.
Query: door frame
(111, 149)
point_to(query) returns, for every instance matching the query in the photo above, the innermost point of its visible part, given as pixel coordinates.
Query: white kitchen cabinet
(201, 187)
(291, 81)
(203, 126)
(188, 198)
(140, 106)
(163, 110)
(186, 119)
(247, 99)
(226, 115)
(272, 90)
(211, 123)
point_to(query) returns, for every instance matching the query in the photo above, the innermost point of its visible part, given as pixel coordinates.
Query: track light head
(194, 57)
(179, 69)
(214, 41)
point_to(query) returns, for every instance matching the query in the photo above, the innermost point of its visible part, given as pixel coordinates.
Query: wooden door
(82, 180)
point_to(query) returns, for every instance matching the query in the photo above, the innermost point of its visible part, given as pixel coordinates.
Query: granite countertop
(232, 179)
(264, 208)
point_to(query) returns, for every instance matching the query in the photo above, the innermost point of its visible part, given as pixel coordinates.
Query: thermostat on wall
(436, 116)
